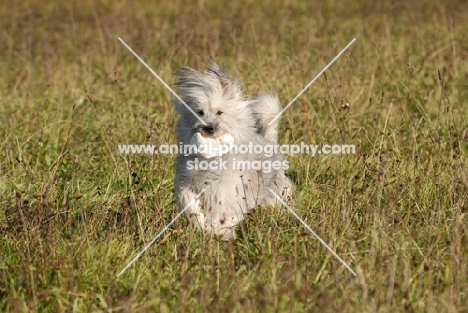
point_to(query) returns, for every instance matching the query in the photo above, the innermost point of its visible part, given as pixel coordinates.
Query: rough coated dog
(232, 190)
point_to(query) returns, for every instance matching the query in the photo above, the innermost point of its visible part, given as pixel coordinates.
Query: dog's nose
(208, 129)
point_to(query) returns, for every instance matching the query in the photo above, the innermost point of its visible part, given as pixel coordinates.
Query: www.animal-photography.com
(206, 156)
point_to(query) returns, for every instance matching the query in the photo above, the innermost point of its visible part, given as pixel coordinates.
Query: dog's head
(216, 106)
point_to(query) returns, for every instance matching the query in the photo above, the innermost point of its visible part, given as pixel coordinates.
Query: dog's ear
(220, 72)
(187, 77)
(187, 80)
(230, 89)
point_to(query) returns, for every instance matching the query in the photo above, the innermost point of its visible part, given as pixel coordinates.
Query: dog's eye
(219, 113)
(201, 113)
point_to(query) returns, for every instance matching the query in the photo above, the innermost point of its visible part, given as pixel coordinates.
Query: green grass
(74, 212)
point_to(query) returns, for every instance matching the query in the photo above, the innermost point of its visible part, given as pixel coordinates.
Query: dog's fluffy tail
(265, 108)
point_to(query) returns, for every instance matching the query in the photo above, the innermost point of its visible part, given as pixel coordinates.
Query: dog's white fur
(231, 193)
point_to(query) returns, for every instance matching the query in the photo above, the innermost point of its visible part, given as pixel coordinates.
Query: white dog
(233, 183)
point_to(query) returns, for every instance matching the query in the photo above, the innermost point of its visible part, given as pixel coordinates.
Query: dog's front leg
(194, 212)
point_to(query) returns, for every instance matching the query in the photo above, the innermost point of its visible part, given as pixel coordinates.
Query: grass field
(74, 212)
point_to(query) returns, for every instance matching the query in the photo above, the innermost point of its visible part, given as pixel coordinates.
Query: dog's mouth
(209, 147)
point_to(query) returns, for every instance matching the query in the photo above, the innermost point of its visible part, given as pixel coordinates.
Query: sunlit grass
(74, 212)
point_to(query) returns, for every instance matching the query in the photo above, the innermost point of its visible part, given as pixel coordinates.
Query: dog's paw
(196, 216)
(186, 198)
(227, 233)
